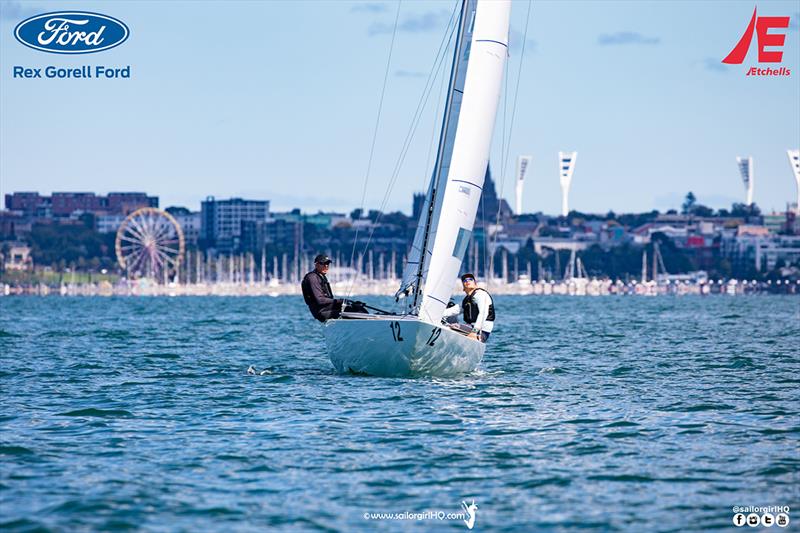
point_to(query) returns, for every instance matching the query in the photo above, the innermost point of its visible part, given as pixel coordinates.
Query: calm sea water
(642, 414)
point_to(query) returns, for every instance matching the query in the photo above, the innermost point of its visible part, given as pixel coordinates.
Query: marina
(239, 276)
(388, 287)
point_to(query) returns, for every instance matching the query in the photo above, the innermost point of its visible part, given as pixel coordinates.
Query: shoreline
(576, 287)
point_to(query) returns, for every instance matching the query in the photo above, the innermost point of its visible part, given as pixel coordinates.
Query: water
(645, 414)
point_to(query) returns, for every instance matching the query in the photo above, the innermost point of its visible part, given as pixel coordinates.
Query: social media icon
(782, 520)
(738, 519)
(767, 520)
(753, 519)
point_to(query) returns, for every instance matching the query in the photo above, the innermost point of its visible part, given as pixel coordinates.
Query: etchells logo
(71, 32)
(764, 39)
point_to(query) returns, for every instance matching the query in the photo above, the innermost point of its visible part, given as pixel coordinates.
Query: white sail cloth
(470, 156)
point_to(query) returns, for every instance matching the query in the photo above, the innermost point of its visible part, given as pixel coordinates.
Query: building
(190, 223)
(782, 222)
(559, 243)
(221, 221)
(644, 233)
(29, 204)
(109, 223)
(66, 204)
(13, 225)
(784, 248)
(328, 220)
(125, 203)
(63, 204)
(18, 257)
(275, 233)
(754, 247)
(490, 204)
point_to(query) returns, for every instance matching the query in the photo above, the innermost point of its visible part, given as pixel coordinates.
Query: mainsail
(462, 158)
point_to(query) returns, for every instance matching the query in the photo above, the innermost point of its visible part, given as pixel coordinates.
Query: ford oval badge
(71, 32)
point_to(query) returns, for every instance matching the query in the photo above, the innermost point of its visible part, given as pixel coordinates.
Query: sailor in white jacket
(477, 307)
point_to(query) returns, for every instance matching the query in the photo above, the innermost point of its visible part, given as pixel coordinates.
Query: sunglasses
(465, 280)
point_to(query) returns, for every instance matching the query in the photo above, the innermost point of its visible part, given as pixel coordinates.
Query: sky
(280, 100)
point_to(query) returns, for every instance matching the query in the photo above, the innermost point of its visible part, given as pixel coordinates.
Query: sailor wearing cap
(317, 291)
(478, 309)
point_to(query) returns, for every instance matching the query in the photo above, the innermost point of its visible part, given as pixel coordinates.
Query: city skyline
(343, 211)
(638, 89)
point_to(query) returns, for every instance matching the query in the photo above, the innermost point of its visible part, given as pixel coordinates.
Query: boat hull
(400, 347)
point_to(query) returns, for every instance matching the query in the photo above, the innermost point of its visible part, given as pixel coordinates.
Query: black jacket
(319, 297)
(471, 310)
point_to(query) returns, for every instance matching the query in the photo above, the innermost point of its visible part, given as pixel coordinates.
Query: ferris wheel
(150, 244)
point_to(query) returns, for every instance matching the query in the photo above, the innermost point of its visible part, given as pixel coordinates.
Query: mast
(644, 265)
(654, 267)
(437, 175)
(469, 152)
(794, 161)
(569, 273)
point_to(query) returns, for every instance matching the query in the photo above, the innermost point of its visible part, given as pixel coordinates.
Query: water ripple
(608, 414)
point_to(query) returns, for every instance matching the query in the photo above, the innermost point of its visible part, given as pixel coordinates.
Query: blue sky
(278, 100)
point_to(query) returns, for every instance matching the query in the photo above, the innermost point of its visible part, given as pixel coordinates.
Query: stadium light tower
(523, 164)
(794, 160)
(746, 171)
(566, 166)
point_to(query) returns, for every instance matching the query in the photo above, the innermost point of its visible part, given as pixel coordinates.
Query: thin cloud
(419, 23)
(369, 7)
(409, 74)
(626, 37)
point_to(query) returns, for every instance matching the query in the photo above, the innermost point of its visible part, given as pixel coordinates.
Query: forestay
(446, 228)
(417, 266)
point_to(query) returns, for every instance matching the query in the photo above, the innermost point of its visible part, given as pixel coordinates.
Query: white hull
(393, 346)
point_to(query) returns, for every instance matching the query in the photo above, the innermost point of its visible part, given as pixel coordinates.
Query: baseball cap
(322, 259)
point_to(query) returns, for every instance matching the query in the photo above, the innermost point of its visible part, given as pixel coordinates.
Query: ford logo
(71, 32)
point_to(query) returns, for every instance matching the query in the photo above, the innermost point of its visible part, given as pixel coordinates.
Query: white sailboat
(415, 343)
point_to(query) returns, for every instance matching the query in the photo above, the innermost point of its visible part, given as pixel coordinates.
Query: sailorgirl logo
(71, 32)
(761, 26)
